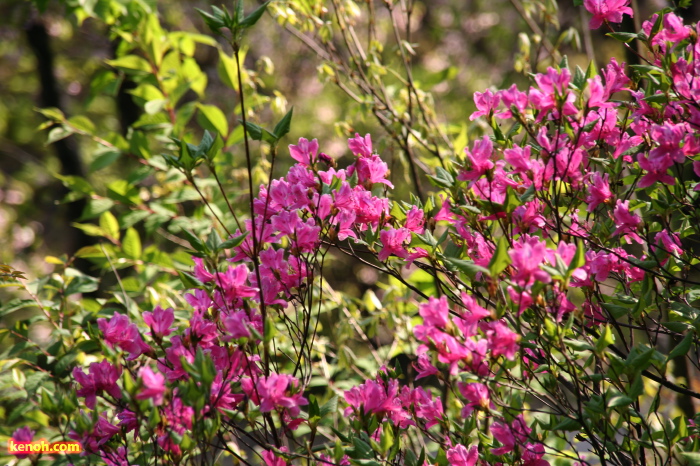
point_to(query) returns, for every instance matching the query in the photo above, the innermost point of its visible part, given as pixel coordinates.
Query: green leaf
(467, 266)
(619, 400)
(96, 207)
(500, 259)
(512, 200)
(232, 242)
(227, 70)
(132, 63)
(104, 160)
(254, 131)
(606, 339)
(387, 438)
(213, 119)
(624, 37)
(284, 124)
(58, 133)
(110, 225)
(131, 245)
(682, 348)
(579, 259)
(214, 21)
(442, 178)
(568, 424)
(330, 407)
(253, 18)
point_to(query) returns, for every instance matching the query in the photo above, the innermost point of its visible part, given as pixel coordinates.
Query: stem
(256, 262)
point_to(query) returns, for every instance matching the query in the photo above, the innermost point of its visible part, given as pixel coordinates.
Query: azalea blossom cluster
(544, 218)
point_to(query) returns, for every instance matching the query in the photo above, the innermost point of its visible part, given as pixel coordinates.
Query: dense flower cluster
(543, 219)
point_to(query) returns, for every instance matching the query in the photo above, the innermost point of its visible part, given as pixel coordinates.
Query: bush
(545, 293)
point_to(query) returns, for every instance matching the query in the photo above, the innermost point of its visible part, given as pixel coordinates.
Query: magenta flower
(424, 367)
(435, 312)
(379, 397)
(477, 394)
(526, 258)
(394, 243)
(626, 221)
(304, 152)
(599, 192)
(532, 456)
(486, 103)
(371, 170)
(23, 434)
(233, 283)
(509, 435)
(101, 433)
(160, 321)
(118, 331)
(657, 170)
(200, 272)
(670, 244)
(479, 158)
(102, 377)
(606, 10)
(502, 340)
(129, 421)
(361, 146)
(271, 459)
(415, 220)
(459, 456)
(427, 407)
(153, 386)
(273, 392)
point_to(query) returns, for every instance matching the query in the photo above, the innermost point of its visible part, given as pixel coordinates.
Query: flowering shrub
(561, 305)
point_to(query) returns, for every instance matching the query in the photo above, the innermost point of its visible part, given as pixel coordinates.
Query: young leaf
(253, 18)
(282, 127)
(500, 259)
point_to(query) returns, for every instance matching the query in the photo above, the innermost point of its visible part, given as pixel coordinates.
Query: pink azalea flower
(615, 78)
(486, 103)
(477, 394)
(361, 146)
(129, 421)
(459, 456)
(200, 272)
(304, 152)
(118, 331)
(532, 456)
(606, 10)
(371, 170)
(394, 243)
(599, 192)
(426, 407)
(160, 321)
(23, 434)
(502, 340)
(101, 433)
(233, 283)
(526, 257)
(512, 98)
(435, 312)
(509, 435)
(670, 244)
(273, 392)
(424, 367)
(102, 377)
(153, 386)
(479, 158)
(415, 220)
(271, 459)
(626, 221)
